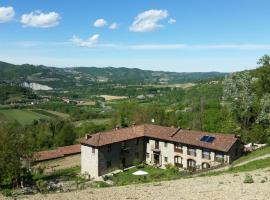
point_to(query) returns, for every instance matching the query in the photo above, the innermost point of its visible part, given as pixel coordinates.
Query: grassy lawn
(100, 121)
(251, 166)
(51, 113)
(63, 174)
(254, 154)
(24, 117)
(155, 174)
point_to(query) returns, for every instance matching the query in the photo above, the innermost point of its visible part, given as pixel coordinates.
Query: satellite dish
(153, 120)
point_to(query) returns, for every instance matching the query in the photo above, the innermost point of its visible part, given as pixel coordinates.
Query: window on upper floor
(165, 144)
(109, 148)
(156, 144)
(178, 147)
(123, 144)
(206, 154)
(191, 151)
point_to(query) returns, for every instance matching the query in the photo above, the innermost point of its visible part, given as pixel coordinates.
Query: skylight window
(207, 138)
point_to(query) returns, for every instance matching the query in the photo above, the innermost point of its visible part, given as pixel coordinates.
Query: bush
(248, 179)
(41, 186)
(101, 184)
(7, 192)
(136, 163)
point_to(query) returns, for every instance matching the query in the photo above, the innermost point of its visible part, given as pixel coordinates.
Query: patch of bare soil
(223, 187)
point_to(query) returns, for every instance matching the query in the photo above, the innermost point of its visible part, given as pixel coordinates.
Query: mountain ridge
(69, 76)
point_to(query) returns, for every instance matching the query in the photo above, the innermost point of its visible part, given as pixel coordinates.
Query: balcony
(124, 150)
(219, 159)
(178, 150)
(206, 156)
(155, 149)
(191, 152)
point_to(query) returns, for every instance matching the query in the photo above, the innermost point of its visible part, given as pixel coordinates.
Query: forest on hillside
(237, 104)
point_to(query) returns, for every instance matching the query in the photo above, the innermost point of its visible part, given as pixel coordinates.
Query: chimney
(87, 136)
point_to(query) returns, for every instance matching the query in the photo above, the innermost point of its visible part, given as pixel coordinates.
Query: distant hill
(81, 76)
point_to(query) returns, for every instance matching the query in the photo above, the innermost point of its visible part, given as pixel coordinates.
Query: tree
(264, 115)
(239, 94)
(66, 136)
(15, 145)
(262, 74)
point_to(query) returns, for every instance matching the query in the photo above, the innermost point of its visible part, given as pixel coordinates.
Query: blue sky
(174, 35)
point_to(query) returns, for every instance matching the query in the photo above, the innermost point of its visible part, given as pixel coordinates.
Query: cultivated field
(24, 117)
(222, 187)
(110, 97)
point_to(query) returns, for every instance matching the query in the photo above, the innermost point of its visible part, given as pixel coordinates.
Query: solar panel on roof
(204, 138)
(207, 138)
(210, 139)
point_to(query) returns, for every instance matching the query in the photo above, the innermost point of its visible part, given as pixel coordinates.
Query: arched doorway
(205, 165)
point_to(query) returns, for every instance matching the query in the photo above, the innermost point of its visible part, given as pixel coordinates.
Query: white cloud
(100, 23)
(91, 42)
(148, 20)
(6, 14)
(39, 19)
(114, 26)
(171, 21)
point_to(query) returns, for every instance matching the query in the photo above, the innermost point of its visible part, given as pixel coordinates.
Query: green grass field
(254, 154)
(154, 175)
(100, 121)
(24, 117)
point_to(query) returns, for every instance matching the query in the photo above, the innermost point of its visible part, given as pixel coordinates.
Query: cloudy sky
(170, 35)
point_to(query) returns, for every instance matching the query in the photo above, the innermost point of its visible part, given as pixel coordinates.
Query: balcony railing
(219, 159)
(206, 156)
(191, 152)
(155, 149)
(178, 150)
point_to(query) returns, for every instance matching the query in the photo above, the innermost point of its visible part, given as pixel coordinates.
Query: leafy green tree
(240, 97)
(14, 146)
(66, 136)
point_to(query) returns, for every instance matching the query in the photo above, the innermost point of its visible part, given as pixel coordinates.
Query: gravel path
(223, 187)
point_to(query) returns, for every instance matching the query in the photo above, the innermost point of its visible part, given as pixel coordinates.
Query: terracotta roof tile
(222, 142)
(57, 153)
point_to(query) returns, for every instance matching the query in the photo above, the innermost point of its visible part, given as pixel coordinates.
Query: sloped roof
(222, 142)
(57, 153)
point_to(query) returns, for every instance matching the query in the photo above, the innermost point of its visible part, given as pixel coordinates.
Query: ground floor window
(109, 164)
(137, 155)
(178, 159)
(165, 159)
(147, 155)
(191, 163)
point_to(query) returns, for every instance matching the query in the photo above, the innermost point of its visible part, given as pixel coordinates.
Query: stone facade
(161, 153)
(156, 152)
(111, 157)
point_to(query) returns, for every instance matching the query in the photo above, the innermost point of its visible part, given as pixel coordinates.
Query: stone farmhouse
(105, 152)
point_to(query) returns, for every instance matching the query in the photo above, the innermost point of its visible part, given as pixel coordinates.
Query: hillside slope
(223, 187)
(81, 76)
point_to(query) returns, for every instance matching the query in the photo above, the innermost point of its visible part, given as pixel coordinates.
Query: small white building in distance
(105, 152)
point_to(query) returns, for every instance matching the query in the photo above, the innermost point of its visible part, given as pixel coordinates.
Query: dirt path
(258, 158)
(223, 187)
